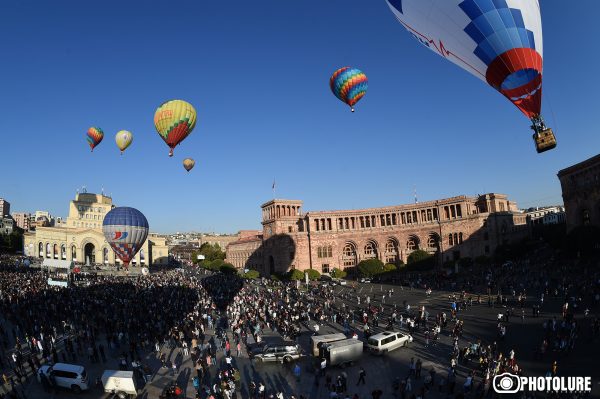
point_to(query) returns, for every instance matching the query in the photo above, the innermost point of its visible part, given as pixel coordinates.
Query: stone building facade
(449, 228)
(580, 185)
(82, 239)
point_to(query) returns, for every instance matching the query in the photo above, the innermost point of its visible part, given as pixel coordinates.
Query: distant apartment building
(7, 225)
(546, 215)
(22, 220)
(4, 207)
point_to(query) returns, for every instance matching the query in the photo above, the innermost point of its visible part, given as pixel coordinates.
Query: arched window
(433, 241)
(412, 244)
(370, 250)
(63, 252)
(74, 253)
(55, 251)
(48, 251)
(391, 251)
(460, 238)
(142, 257)
(41, 250)
(349, 255)
(450, 241)
(105, 256)
(455, 238)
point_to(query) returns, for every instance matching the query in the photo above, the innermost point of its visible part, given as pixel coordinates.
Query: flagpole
(273, 188)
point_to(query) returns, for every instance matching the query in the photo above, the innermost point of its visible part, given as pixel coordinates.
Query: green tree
(313, 274)
(295, 274)
(211, 252)
(421, 260)
(418, 256)
(252, 274)
(227, 268)
(389, 267)
(370, 267)
(338, 273)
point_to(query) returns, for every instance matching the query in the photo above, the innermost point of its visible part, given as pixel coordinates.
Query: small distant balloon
(174, 121)
(94, 137)
(123, 139)
(349, 85)
(188, 164)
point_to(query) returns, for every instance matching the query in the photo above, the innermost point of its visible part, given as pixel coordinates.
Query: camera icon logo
(506, 383)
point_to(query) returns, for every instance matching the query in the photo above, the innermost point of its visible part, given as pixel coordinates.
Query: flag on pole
(273, 187)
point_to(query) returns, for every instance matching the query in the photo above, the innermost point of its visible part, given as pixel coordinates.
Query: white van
(387, 341)
(71, 376)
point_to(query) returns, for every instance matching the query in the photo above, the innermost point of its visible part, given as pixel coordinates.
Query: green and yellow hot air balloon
(123, 139)
(174, 121)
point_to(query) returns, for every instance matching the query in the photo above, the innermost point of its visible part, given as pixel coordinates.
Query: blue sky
(257, 73)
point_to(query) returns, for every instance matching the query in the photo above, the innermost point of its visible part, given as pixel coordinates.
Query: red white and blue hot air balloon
(498, 41)
(125, 230)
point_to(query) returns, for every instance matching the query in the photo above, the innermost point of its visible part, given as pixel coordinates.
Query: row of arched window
(455, 238)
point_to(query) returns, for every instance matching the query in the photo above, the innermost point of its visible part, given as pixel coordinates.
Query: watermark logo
(510, 383)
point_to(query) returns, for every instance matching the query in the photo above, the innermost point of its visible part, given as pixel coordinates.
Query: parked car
(387, 341)
(365, 280)
(339, 281)
(284, 352)
(64, 375)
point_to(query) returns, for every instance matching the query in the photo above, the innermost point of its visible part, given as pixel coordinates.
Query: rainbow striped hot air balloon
(94, 136)
(174, 121)
(349, 85)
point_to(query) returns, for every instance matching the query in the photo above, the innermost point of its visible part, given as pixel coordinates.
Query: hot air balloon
(174, 121)
(349, 85)
(123, 139)
(188, 164)
(125, 230)
(94, 137)
(498, 41)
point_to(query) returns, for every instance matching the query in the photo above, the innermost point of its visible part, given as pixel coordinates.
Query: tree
(252, 274)
(295, 274)
(421, 260)
(313, 274)
(338, 273)
(227, 268)
(370, 267)
(418, 256)
(389, 267)
(211, 252)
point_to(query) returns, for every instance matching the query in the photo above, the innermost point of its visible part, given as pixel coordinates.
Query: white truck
(120, 383)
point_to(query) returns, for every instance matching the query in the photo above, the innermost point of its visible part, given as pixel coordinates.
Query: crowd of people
(184, 316)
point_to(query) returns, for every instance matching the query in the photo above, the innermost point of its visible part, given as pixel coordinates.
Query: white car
(388, 341)
(365, 280)
(339, 281)
(64, 375)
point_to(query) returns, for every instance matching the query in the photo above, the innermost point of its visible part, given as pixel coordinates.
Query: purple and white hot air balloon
(125, 230)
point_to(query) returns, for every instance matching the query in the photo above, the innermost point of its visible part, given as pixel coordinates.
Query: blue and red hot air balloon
(349, 85)
(125, 230)
(498, 41)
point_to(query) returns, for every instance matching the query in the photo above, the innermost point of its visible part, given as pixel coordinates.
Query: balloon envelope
(125, 229)
(94, 136)
(123, 139)
(174, 121)
(188, 164)
(349, 85)
(498, 41)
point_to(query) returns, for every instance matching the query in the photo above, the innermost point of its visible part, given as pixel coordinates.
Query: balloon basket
(352, 109)
(544, 140)
(171, 153)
